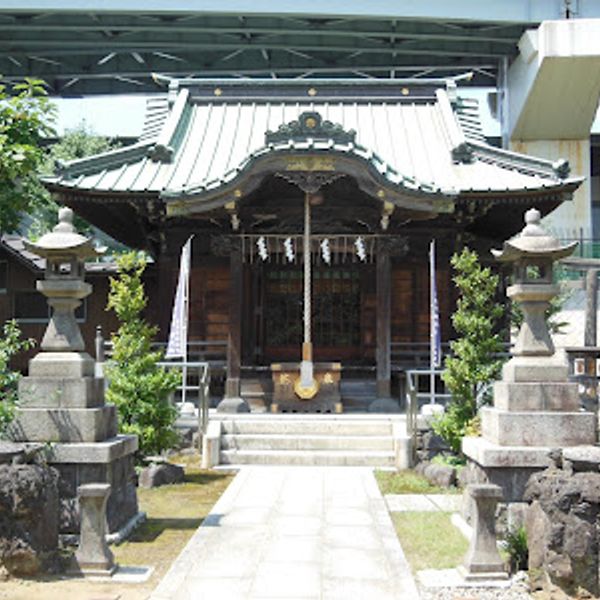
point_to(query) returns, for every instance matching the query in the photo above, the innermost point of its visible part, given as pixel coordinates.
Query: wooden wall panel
(209, 302)
(410, 302)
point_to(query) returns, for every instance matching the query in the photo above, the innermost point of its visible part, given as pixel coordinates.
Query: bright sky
(109, 116)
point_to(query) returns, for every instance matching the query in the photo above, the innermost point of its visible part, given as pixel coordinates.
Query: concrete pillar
(552, 90)
(93, 556)
(483, 560)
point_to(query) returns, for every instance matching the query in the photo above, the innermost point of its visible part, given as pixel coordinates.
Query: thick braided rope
(307, 271)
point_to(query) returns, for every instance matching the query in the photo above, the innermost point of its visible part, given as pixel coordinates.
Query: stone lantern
(61, 400)
(65, 251)
(536, 408)
(533, 253)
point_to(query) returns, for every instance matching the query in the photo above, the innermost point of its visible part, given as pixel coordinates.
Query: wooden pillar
(232, 401)
(384, 302)
(234, 342)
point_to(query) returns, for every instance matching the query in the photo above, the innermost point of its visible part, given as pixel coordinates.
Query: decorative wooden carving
(309, 182)
(310, 125)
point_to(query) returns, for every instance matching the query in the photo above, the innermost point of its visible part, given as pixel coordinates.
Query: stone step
(302, 426)
(357, 404)
(361, 458)
(254, 387)
(306, 442)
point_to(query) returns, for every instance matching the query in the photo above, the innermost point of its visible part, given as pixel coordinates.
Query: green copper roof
(415, 138)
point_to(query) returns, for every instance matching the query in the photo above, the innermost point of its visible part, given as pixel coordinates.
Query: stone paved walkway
(294, 532)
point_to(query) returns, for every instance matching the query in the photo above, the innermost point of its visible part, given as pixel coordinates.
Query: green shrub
(10, 345)
(473, 363)
(515, 545)
(138, 386)
(458, 462)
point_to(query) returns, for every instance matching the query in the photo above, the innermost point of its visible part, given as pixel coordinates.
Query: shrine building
(357, 177)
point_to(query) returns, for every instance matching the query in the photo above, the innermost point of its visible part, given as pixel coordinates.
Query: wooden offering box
(326, 396)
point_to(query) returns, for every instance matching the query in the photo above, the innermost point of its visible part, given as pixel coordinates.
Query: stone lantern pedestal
(62, 402)
(536, 408)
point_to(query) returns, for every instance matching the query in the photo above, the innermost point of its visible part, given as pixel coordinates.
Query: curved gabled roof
(418, 137)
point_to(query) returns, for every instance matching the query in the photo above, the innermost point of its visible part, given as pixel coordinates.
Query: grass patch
(173, 512)
(407, 482)
(429, 540)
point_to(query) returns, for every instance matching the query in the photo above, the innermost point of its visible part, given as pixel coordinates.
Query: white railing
(199, 374)
(195, 374)
(415, 394)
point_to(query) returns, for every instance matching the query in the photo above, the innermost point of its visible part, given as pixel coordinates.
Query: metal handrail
(413, 395)
(202, 389)
(195, 348)
(203, 368)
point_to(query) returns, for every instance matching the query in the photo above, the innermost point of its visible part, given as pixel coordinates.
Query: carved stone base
(233, 405)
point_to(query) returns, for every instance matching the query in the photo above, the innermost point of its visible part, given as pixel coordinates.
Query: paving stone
(348, 516)
(446, 502)
(351, 537)
(290, 580)
(294, 548)
(338, 541)
(354, 563)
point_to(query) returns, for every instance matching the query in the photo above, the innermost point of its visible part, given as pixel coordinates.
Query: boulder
(28, 518)
(440, 475)
(583, 458)
(158, 474)
(561, 525)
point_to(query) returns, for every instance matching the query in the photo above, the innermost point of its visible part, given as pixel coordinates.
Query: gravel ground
(517, 591)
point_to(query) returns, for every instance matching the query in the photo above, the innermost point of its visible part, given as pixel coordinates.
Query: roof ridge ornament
(310, 124)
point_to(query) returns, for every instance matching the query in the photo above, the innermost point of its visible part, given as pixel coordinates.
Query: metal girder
(504, 11)
(79, 46)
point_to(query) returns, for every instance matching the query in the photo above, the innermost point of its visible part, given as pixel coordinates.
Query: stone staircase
(332, 440)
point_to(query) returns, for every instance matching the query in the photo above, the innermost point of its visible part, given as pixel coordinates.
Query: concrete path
(294, 532)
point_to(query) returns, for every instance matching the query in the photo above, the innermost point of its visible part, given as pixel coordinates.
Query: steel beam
(505, 11)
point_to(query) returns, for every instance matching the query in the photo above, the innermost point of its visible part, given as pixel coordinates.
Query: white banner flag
(435, 337)
(177, 346)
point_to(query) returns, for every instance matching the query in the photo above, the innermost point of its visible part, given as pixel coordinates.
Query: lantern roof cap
(64, 240)
(533, 242)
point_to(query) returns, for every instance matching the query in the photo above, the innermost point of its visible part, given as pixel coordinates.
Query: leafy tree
(26, 117)
(138, 386)
(10, 345)
(473, 362)
(75, 144)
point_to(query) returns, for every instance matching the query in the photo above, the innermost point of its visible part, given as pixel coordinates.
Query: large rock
(562, 528)
(438, 474)
(163, 473)
(28, 518)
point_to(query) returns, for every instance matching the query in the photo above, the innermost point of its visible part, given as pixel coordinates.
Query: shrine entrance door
(338, 311)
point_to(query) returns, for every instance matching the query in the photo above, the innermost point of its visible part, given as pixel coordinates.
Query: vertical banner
(178, 335)
(435, 338)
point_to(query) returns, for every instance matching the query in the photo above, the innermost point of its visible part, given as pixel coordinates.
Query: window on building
(31, 307)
